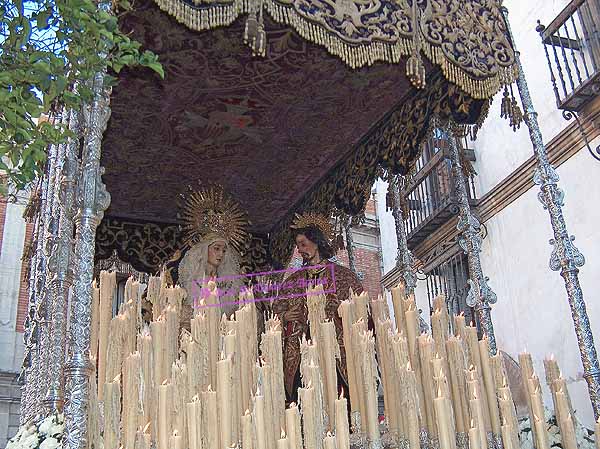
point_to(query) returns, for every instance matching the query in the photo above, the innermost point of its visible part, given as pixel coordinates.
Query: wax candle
(292, 424)
(282, 442)
(567, 432)
(398, 295)
(271, 348)
(224, 397)
(489, 384)
(474, 437)
(342, 429)
(541, 433)
(171, 335)
(142, 438)
(247, 431)
(260, 427)
(330, 351)
(369, 377)
(132, 408)
(552, 370)
(507, 408)
(210, 420)
(310, 421)
(176, 441)
(144, 343)
(425, 351)
(510, 439)
(108, 283)
(194, 422)
(537, 405)
(112, 412)
(213, 321)
(344, 311)
(179, 399)
(476, 406)
(329, 441)
(157, 332)
(460, 325)
(165, 392)
(410, 398)
(232, 350)
(456, 369)
(561, 403)
(445, 426)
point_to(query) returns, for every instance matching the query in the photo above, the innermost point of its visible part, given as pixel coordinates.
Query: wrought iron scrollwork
(569, 115)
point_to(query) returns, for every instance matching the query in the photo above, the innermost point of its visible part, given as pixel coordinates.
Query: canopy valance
(467, 39)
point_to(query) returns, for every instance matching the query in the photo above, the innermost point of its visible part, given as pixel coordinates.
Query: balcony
(431, 196)
(572, 46)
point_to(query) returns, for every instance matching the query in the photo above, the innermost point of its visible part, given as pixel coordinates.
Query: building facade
(15, 235)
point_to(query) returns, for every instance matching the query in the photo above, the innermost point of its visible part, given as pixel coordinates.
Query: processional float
(447, 60)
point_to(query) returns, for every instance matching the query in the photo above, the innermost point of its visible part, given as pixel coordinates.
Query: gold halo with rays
(315, 220)
(211, 212)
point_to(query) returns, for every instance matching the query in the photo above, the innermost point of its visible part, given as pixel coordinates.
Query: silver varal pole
(60, 266)
(480, 295)
(92, 200)
(35, 331)
(565, 257)
(350, 245)
(29, 368)
(405, 260)
(45, 298)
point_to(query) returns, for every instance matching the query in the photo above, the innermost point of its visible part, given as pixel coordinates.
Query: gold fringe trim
(355, 55)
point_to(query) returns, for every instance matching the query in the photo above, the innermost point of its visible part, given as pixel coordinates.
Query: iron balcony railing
(449, 278)
(431, 195)
(572, 46)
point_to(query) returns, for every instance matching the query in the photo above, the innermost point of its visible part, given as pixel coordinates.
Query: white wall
(10, 274)
(387, 227)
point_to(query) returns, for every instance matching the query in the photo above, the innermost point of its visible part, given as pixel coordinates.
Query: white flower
(30, 442)
(57, 429)
(46, 425)
(50, 443)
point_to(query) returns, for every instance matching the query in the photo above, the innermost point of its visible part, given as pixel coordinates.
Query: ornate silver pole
(38, 338)
(50, 231)
(60, 265)
(480, 295)
(565, 257)
(350, 244)
(92, 199)
(29, 368)
(405, 259)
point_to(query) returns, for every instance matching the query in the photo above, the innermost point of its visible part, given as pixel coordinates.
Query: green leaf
(158, 68)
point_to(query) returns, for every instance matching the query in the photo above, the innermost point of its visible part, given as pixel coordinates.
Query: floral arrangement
(46, 434)
(584, 436)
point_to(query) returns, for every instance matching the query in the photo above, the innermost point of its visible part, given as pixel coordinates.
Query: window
(450, 279)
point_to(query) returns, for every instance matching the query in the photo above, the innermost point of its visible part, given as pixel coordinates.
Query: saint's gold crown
(314, 220)
(210, 213)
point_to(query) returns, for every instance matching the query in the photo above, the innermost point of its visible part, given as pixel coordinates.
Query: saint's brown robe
(293, 313)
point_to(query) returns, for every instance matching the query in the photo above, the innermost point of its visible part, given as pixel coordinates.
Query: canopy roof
(297, 129)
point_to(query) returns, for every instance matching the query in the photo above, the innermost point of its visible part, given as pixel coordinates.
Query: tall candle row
(166, 392)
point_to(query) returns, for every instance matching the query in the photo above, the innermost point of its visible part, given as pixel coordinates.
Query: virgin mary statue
(214, 230)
